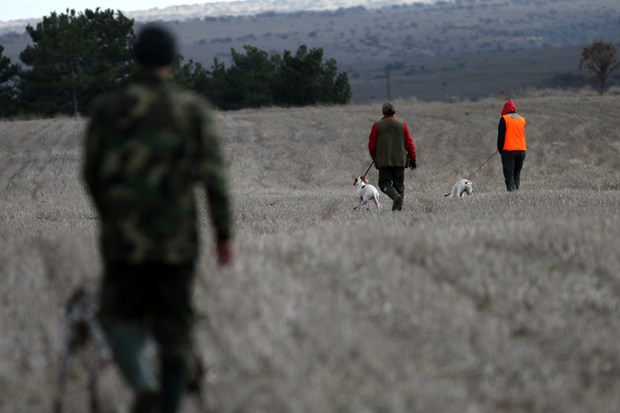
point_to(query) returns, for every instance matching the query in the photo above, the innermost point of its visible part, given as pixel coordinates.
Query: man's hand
(225, 253)
(412, 164)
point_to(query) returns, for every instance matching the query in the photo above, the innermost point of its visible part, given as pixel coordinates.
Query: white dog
(82, 331)
(366, 192)
(81, 326)
(460, 188)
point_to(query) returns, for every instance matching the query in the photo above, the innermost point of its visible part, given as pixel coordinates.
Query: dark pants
(392, 183)
(512, 162)
(150, 299)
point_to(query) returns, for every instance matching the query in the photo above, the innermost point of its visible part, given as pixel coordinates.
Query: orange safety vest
(515, 132)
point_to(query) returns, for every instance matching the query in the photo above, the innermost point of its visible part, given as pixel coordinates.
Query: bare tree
(602, 59)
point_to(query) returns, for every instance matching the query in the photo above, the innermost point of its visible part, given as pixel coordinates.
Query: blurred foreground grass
(494, 303)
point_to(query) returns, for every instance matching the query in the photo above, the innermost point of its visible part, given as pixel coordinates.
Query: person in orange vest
(511, 144)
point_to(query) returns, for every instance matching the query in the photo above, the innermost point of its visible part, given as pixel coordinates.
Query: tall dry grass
(494, 303)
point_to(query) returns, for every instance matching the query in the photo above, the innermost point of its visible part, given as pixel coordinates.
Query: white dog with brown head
(86, 339)
(366, 192)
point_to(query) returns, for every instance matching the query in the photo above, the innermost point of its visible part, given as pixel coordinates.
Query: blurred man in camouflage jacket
(147, 147)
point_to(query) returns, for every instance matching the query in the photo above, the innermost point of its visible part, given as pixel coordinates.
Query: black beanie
(155, 46)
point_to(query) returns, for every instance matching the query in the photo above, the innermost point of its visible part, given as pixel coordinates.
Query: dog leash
(371, 164)
(477, 169)
(480, 167)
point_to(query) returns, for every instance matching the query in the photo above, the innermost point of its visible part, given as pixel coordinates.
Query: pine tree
(73, 58)
(299, 77)
(193, 75)
(256, 79)
(335, 86)
(250, 79)
(304, 79)
(8, 86)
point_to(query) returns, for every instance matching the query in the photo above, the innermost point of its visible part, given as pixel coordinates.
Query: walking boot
(397, 205)
(397, 199)
(146, 401)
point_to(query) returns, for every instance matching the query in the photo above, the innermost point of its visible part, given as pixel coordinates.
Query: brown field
(494, 303)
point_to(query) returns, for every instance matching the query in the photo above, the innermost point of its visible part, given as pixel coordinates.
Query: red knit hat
(509, 107)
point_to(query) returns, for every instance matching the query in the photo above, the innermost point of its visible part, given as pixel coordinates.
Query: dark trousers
(512, 162)
(392, 179)
(392, 183)
(138, 300)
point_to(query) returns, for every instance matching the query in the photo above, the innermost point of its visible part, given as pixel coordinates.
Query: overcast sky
(26, 9)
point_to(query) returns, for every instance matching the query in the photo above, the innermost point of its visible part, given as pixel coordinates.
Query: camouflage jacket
(147, 147)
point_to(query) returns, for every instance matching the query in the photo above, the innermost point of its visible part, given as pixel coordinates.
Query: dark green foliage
(8, 86)
(193, 75)
(303, 79)
(75, 57)
(335, 85)
(256, 79)
(249, 79)
(299, 77)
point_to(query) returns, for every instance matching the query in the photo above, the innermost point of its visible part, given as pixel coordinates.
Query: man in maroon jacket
(391, 147)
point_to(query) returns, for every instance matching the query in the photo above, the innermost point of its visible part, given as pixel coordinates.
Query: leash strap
(371, 164)
(480, 167)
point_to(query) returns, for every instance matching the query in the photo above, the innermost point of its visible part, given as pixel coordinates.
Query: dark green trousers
(153, 299)
(392, 178)
(392, 183)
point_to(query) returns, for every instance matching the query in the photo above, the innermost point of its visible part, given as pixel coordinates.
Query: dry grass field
(494, 303)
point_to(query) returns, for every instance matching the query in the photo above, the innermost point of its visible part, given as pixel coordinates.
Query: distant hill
(229, 8)
(426, 50)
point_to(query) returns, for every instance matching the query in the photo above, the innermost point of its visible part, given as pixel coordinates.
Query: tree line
(75, 56)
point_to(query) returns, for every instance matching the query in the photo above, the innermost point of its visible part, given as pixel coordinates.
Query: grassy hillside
(494, 303)
(435, 51)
